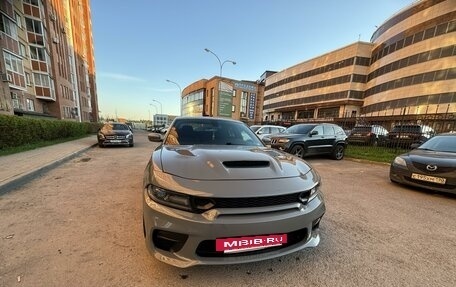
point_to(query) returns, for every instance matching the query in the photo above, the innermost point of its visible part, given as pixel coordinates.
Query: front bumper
(194, 243)
(109, 142)
(403, 175)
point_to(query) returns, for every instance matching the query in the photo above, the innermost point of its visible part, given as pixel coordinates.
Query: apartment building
(47, 59)
(224, 97)
(408, 68)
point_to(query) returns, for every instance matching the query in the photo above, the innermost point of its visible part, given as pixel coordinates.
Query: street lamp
(161, 107)
(180, 90)
(156, 112)
(220, 62)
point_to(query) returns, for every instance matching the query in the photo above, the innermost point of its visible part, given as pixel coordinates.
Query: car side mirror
(415, 145)
(154, 137)
(313, 133)
(259, 132)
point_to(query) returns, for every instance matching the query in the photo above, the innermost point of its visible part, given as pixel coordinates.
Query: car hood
(115, 132)
(229, 163)
(426, 156)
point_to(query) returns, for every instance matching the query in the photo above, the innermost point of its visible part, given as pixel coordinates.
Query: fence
(401, 130)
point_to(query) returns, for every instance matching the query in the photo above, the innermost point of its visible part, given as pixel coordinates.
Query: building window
(30, 105)
(8, 27)
(234, 93)
(233, 108)
(244, 97)
(34, 26)
(37, 53)
(13, 63)
(28, 79)
(42, 80)
(18, 19)
(22, 50)
(32, 2)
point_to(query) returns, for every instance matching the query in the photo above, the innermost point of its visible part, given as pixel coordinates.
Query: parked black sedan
(115, 134)
(432, 165)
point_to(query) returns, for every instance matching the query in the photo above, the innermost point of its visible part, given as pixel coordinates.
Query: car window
(319, 130)
(265, 130)
(210, 132)
(275, 130)
(328, 130)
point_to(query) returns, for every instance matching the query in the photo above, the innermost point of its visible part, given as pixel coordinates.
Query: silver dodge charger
(214, 194)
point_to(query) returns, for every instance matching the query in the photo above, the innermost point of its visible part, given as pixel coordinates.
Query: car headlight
(129, 136)
(284, 140)
(400, 161)
(169, 198)
(314, 192)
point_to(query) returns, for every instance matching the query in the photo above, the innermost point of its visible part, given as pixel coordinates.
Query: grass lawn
(26, 147)
(379, 154)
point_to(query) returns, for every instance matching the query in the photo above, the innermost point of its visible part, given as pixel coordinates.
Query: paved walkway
(19, 168)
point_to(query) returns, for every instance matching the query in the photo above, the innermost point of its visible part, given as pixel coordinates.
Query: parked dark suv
(115, 134)
(312, 139)
(406, 135)
(368, 135)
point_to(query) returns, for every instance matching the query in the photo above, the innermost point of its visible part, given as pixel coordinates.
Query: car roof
(206, 119)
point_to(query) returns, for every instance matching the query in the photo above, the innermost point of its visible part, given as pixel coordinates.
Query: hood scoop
(246, 163)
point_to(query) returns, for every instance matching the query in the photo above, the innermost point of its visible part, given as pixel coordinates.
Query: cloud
(120, 77)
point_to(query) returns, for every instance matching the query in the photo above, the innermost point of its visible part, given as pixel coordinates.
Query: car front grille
(244, 202)
(207, 247)
(115, 137)
(440, 169)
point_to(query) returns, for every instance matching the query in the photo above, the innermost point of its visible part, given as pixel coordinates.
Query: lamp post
(156, 112)
(220, 62)
(180, 90)
(161, 107)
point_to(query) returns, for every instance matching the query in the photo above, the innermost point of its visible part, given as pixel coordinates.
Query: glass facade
(192, 104)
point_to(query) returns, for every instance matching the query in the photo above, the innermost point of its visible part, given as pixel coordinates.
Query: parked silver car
(214, 194)
(264, 131)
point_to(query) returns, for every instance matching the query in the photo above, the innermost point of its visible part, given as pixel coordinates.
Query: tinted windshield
(407, 128)
(361, 129)
(440, 143)
(255, 128)
(210, 132)
(299, 129)
(116, 127)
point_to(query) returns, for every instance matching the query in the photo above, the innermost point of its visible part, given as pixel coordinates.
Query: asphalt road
(80, 225)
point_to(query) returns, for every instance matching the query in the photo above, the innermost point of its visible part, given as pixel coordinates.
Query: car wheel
(338, 152)
(374, 142)
(297, 150)
(131, 144)
(100, 145)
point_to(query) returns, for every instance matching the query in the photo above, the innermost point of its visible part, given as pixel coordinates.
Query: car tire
(297, 150)
(131, 145)
(100, 145)
(339, 152)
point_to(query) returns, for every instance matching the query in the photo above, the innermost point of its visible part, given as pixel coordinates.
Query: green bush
(17, 131)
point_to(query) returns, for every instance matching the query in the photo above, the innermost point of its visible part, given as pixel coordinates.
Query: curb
(29, 176)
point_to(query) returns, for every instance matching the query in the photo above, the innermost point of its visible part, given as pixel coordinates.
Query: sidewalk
(18, 169)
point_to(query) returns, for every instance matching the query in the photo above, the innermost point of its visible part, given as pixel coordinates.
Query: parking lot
(80, 225)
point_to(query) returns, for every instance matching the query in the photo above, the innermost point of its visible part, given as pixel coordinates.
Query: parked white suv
(263, 131)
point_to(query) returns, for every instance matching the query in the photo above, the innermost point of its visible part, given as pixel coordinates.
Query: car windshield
(361, 129)
(116, 127)
(255, 128)
(299, 129)
(210, 132)
(440, 143)
(407, 128)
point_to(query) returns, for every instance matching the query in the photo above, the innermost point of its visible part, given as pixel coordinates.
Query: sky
(139, 44)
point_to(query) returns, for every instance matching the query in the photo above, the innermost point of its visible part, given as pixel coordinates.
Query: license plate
(429, 178)
(115, 141)
(249, 243)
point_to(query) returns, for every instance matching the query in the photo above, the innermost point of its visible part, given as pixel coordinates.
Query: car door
(315, 142)
(329, 139)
